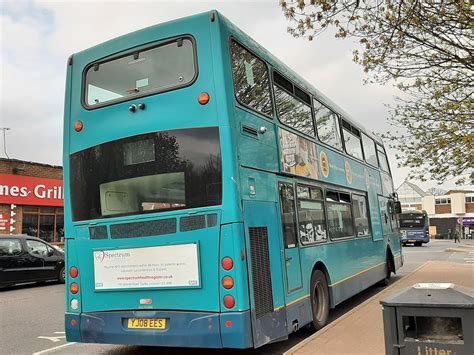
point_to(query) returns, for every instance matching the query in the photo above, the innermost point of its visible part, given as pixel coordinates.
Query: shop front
(31, 205)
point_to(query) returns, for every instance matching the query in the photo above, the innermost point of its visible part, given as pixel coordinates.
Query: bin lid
(432, 295)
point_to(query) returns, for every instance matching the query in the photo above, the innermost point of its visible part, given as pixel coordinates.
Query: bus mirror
(398, 207)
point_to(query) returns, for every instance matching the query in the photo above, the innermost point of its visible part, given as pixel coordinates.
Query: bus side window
(251, 80)
(311, 216)
(327, 124)
(288, 215)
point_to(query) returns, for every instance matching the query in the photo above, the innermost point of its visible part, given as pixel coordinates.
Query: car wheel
(319, 299)
(62, 275)
(418, 244)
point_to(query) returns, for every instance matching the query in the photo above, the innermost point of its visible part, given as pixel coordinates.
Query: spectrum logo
(100, 256)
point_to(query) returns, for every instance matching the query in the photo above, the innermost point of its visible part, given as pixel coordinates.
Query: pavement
(360, 331)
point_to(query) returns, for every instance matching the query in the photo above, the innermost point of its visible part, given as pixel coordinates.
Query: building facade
(410, 196)
(31, 199)
(453, 210)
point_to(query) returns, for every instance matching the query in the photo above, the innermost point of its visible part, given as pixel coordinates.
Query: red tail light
(73, 272)
(229, 301)
(74, 288)
(227, 263)
(228, 282)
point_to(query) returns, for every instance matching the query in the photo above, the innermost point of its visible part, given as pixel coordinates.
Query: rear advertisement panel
(170, 266)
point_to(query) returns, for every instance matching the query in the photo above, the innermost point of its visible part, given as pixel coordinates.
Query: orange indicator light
(78, 126)
(203, 98)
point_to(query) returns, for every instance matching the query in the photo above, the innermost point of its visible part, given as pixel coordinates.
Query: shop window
(311, 219)
(288, 215)
(46, 223)
(30, 225)
(59, 228)
(46, 228)
(30, 209)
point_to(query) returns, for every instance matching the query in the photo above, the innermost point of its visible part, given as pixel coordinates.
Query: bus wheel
(388, 272)
(319, 299)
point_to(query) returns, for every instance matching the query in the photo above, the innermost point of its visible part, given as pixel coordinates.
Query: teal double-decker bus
(213, 198)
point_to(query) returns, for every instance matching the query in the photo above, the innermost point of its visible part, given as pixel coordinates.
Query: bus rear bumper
(183, 329)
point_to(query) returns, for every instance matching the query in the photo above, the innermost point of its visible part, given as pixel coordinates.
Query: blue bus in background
(214, 198)
(414, 227)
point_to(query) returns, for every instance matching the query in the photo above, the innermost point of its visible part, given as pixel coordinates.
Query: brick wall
(25, 168)
(441, 209)
(469, 207)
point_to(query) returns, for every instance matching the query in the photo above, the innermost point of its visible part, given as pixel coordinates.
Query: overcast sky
(37, 37)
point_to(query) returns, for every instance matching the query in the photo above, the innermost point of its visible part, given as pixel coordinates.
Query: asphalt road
(31, 316)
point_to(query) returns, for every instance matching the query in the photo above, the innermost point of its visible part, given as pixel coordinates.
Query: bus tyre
(388, 272)
(62, 275)
(319, 299)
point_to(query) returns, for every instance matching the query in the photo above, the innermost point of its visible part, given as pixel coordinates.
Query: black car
(26, 259)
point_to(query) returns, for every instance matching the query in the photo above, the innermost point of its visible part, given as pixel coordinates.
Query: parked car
(25, 259)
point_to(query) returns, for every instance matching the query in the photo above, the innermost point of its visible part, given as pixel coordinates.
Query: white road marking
(53, 339)
(50, 350)
(59, 332)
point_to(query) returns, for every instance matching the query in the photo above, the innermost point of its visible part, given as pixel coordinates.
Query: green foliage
(426, 48)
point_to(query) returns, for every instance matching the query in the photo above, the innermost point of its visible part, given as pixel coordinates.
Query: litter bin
(429, 319)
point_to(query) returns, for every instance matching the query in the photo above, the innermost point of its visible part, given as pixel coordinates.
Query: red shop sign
(4, 222)
(27, 190)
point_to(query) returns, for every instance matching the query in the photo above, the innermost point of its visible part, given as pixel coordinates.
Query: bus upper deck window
(161, 68)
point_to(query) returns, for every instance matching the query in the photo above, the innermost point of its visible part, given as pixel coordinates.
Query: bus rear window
(152, 172)
(169, 66)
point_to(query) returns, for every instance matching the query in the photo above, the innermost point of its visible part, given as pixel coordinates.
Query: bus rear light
(227, 263)
(228, 282)
(74, 288)
(213, 17)
(73, 272)
(73, 322)
(78, 126)
(229, 302)
(74, 304)
(228, 324)
(203, 98)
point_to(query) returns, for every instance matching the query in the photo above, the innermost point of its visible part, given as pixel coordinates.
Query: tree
(435, 191)
(424, 47)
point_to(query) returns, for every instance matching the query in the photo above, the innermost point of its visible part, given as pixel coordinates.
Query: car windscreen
(169, 66)
(412, 220)
(152, 172)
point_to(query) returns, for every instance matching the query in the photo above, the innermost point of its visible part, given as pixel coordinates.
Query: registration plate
(146, 323)
(412, 241)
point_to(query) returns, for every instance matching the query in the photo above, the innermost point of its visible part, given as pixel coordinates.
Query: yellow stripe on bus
(360, 272)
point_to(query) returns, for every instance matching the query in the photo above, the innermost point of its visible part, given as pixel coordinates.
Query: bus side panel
(265, 277)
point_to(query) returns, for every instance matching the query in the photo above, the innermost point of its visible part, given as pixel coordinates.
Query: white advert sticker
(163, 266)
